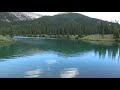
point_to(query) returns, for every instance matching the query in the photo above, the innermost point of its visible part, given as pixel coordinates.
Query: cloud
(51, 61)
(48, 13)
(33, 73)
(69, 73)
(109, 16)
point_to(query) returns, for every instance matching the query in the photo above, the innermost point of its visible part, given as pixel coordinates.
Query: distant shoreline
(95, 37)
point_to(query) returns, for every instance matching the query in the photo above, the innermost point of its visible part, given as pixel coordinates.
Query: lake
(56, 58)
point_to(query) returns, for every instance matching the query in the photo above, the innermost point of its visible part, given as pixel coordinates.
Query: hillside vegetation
(5, 39)
(66, 24)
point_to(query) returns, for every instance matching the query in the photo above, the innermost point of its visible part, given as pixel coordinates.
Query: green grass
(5, 39)
(96, 37)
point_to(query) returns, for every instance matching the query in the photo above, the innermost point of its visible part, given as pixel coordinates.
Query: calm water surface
(50, 58)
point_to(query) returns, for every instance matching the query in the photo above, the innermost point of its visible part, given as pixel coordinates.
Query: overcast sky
(109, 16)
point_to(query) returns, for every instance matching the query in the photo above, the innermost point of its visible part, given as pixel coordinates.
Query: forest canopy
(61, 24)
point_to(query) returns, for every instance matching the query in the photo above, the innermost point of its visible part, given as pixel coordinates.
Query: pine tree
(116, 30)
(116, 34)
(11, 31)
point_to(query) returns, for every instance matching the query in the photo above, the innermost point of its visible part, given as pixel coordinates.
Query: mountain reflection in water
(51, 58)
(66, 48)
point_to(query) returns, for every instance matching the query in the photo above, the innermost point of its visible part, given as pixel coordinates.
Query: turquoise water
(50, 58)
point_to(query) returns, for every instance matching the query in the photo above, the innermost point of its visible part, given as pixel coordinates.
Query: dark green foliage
(116, 33)
(11, 32)
(101, 29)
(62, 24)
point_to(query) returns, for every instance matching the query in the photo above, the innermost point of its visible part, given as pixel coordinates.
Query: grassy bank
(96, 37)
(5, 39)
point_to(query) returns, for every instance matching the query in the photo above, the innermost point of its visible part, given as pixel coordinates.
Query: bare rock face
(18, 16)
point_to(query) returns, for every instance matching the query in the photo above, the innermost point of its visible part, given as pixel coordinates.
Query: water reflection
(112, 52)
(67, 48)
(33, 58)
(51, 62)
(69, 73)
(33, 73)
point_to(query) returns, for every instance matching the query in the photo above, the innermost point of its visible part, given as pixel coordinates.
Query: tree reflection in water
(109, 51)
(24, 47)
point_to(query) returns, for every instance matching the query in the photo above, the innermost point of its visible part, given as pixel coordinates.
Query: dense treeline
(64, 24)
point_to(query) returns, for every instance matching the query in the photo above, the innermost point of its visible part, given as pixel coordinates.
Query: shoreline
(106, 38)
(6, 39)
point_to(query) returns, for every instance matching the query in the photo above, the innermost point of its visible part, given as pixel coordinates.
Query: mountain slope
(69, 19)
(61, 24)
(18, 16)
